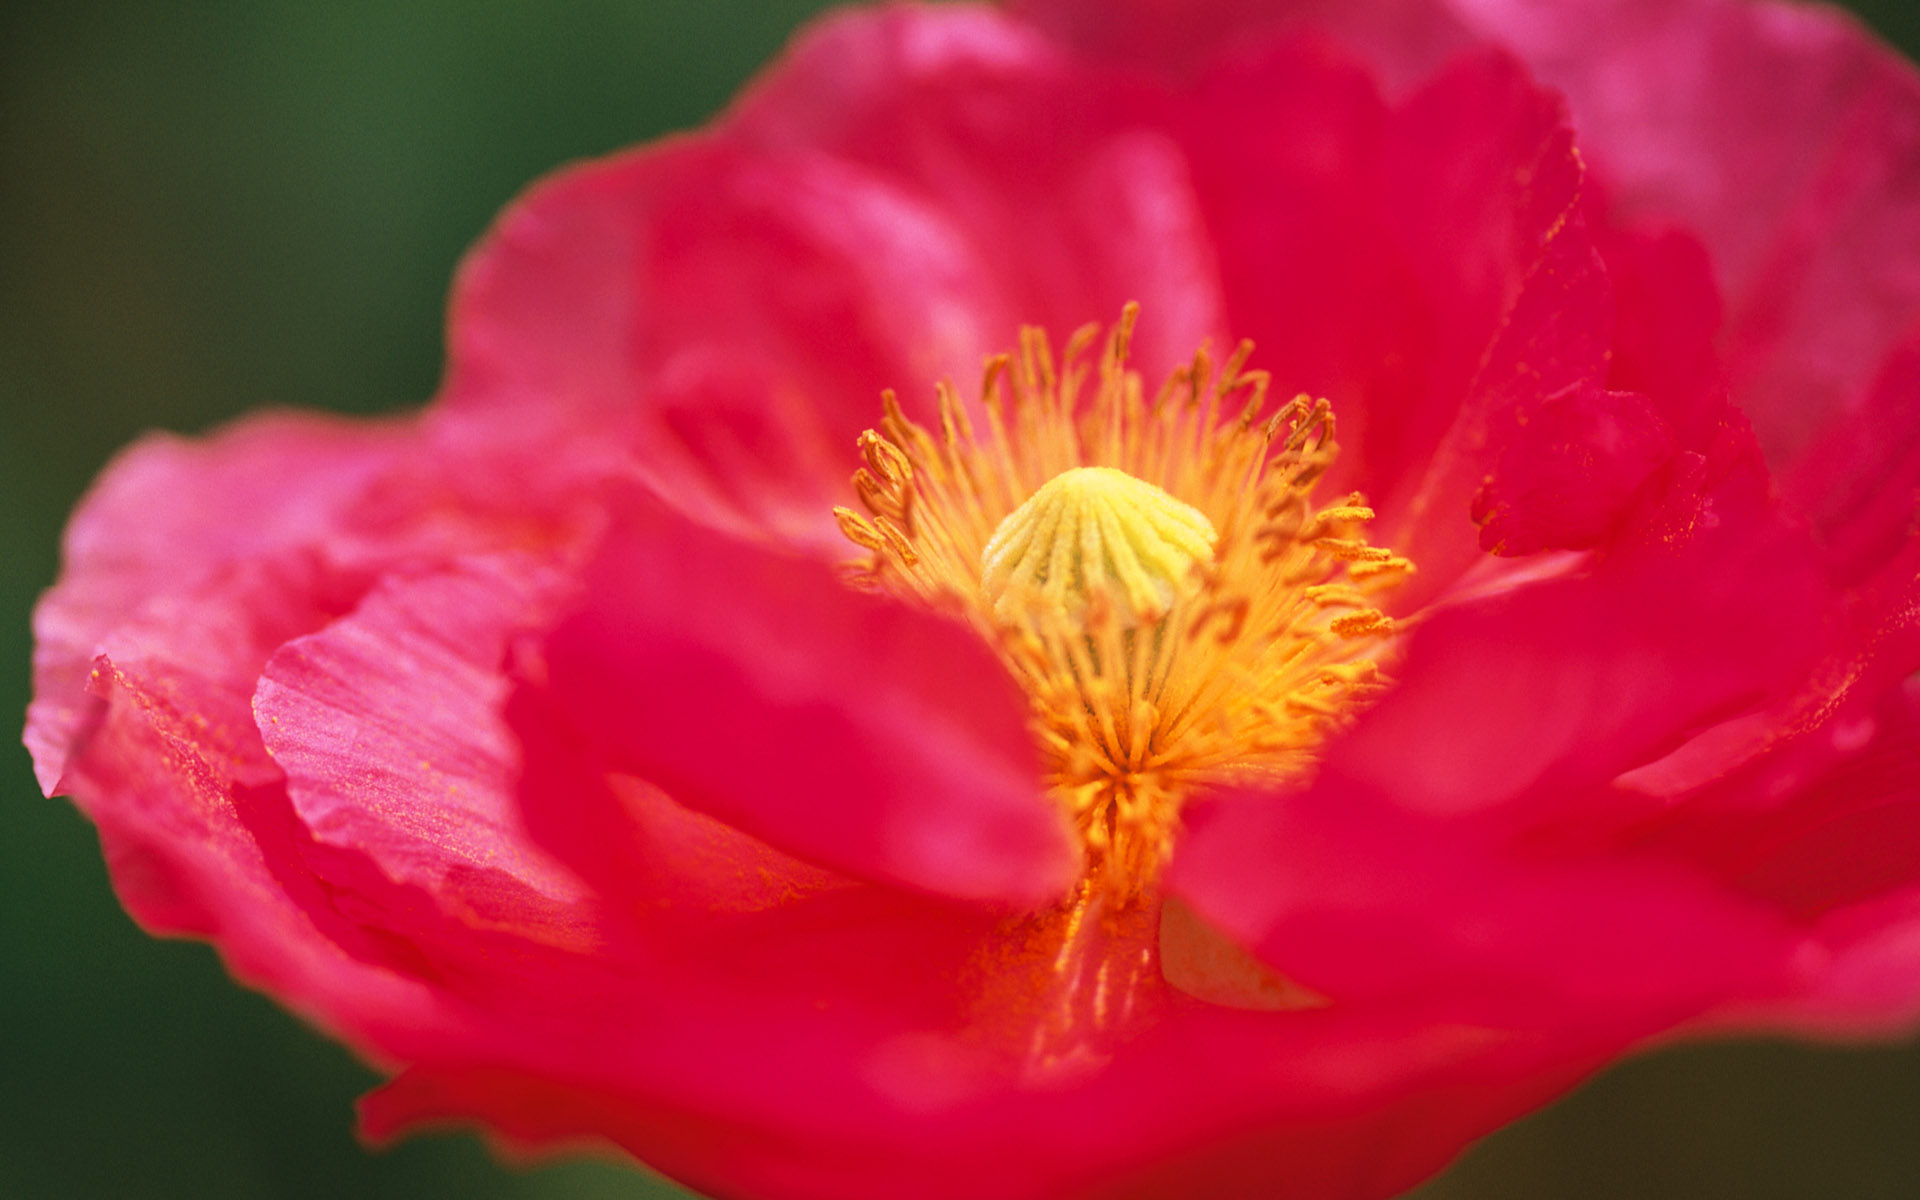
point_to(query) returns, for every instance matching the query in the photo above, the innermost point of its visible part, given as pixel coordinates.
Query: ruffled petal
(1788, 138)
(1668, 316)
(1564, 481)
(262, 485)
(771, 1029)
(1785, 137)
(195, 821)
(1860, 483)
(1402, 39)
(886, 208)
(1869, 645)
(387, 724)
(1353, 1108)
(868, 736)
(1834, 854)
(1423, 265)
(188, 567)
(1444, 852)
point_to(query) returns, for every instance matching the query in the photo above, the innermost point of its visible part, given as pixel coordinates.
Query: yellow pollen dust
(1152, 568)
(1096, 530)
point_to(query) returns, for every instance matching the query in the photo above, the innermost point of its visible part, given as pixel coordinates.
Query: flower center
(1152, 569)
(1096, 531)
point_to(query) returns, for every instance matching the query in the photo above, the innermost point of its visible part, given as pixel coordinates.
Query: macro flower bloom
(1121, 598)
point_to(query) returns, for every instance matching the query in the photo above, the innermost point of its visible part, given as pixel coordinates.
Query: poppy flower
(1081, 599)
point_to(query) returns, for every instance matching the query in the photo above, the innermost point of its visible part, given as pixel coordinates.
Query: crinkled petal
(188, 566)
(872, 737)
(1752, 762)
(1785, 136)
(1333, 1120)
(1422, 265)
(770, 1029)
(195, 821)
(260, 486)
(1432, 857)
(1402, 39)
(387, 724)
(1788, 138)
(1860, 483)
(883, 210)
(1667, 324)
(1568, 476)
(1835, 853)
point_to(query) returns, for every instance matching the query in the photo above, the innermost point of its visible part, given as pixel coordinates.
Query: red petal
(193, 817)
(1430, 858)
(1782, 135)
(1668, 321)
(1567, 478)
(866, 735)
(882, 210)
(1860, 484)
(188, 566)
(263, 485)
(1749, 764)
(1164, 1125)
(388, 727)
(1404, 39)
(1785, 136)
(1839, 854)
(1420, 266)
(863, 1042)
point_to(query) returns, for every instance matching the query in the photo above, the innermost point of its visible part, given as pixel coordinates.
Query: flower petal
(189, 565)
(858, 1041)
(1432, 858)
(1324, 1129)
(387, 723)
(871, 737)
(1423, 266)
(261, 485)
(1567, 478)
(882, 210)
(1403, 39)
(1860, 483)
(195, 821)
(1788, 138)
(1784, 135)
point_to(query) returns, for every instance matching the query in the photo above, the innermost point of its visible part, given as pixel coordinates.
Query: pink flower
(1125, 792)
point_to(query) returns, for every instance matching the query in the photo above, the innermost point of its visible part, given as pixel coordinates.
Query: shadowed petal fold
(754, 686)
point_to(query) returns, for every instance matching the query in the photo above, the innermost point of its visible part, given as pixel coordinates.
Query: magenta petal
(194, 818)
(1346, 1107)
(1837, 853)
(1431, 858)
(1565, 480)
(259, 487)
(1566, 684)
(881, 211)
(1785, 135)
(1403, 39)
(869, 736)
(388, 727)
(1860, 483)
(1667, 326)
(1057, 180)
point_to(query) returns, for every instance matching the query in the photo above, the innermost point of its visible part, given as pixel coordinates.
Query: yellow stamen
(1151, 569)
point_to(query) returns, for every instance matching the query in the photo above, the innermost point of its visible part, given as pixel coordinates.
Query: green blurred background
(209, 207)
